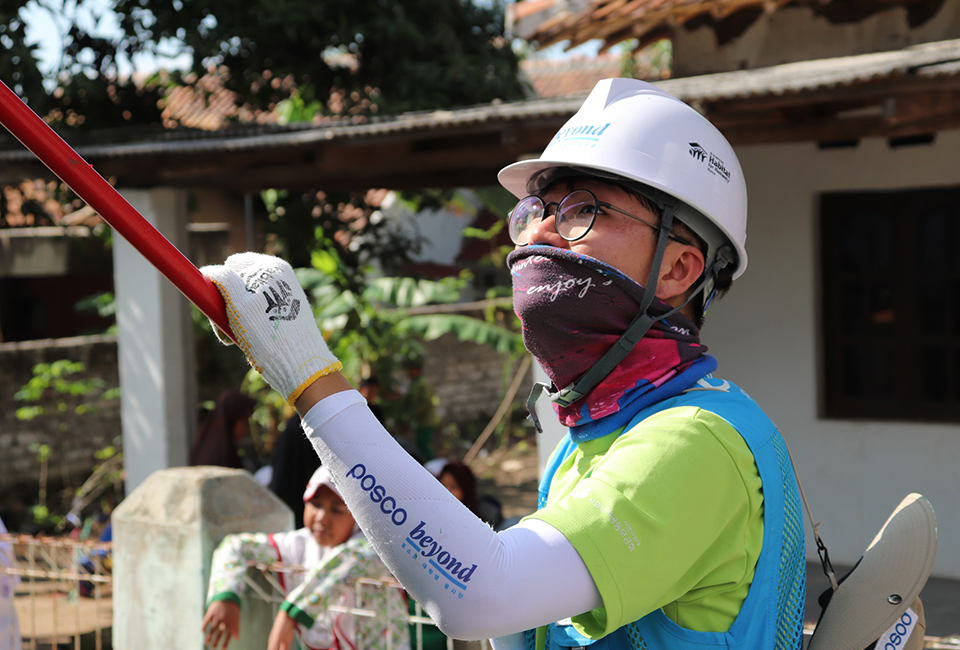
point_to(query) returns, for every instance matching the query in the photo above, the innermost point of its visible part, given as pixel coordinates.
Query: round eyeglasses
(573, 216)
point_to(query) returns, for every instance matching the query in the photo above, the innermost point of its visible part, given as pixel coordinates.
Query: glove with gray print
(272, 321)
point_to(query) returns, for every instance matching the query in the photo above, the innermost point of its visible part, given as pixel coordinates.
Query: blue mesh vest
(771, 617)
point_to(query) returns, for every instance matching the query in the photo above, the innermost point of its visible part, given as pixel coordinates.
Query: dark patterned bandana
(574, 307)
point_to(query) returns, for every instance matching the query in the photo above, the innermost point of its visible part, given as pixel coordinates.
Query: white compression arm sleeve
(474, 582)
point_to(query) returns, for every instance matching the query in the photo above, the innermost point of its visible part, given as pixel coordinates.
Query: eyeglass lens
(573, 219)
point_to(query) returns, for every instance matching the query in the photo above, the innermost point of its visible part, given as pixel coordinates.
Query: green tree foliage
(86, 90)
(403, 55)
(376, 323)
(347, 224)
(341, 57)
(55, 390)
(18, 63)
(53, 380)
(373, 329)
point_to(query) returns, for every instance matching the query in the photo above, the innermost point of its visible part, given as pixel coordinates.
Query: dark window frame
(890, 305)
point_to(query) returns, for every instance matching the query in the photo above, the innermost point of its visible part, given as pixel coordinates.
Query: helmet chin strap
(638, 328)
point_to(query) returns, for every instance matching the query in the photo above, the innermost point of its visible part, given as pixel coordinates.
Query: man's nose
(544, 230)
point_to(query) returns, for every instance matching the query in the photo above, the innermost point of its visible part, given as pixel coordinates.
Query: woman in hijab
(221, 429)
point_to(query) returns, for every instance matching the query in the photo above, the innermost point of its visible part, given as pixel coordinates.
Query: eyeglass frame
(544, 207)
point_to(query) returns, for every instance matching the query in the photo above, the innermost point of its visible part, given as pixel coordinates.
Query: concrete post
(164, 535)
(154, 345)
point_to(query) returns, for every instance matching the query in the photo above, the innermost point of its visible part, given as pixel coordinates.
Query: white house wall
(765, 335)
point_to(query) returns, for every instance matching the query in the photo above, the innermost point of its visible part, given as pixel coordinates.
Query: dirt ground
(510, 475)
(50, 611)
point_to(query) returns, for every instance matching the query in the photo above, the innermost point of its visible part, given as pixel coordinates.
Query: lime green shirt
(668, 515)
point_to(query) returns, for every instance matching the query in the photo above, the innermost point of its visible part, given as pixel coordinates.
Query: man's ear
(681, 268)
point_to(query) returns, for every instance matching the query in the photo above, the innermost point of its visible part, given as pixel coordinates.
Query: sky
(42, 27)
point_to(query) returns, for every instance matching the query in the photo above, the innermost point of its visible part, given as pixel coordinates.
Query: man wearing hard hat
(670, 515)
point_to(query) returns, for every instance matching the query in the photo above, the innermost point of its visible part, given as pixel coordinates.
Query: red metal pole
(73, 170)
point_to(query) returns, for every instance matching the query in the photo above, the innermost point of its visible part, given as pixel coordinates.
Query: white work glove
(272, 322)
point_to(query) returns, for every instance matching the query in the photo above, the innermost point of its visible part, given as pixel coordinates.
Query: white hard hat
(631, 130)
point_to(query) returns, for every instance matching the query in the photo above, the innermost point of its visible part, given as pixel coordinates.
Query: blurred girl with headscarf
(221, 430)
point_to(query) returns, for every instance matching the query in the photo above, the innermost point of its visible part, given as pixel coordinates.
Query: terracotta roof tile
(567, 77)
(575, 22)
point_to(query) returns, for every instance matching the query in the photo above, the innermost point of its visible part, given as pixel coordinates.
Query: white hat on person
(883, 588)
(320, 477)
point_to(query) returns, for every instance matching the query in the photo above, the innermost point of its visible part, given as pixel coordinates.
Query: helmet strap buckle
(723, 259)
(563, 397)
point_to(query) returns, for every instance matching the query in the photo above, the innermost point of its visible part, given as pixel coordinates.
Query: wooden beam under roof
(905, 93)
(883, 110)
